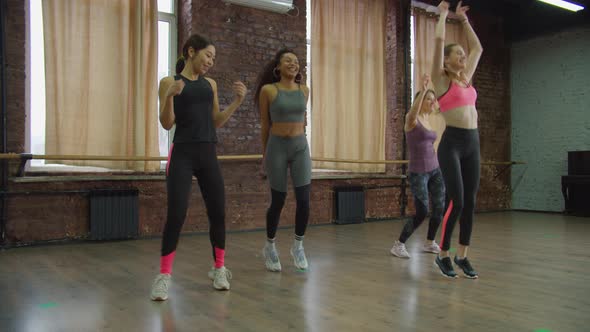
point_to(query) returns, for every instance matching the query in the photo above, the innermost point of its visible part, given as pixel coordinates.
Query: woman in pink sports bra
(458, 151)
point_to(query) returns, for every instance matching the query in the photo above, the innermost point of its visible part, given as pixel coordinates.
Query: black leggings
(276, 206)
(459, 159)
(200, 160)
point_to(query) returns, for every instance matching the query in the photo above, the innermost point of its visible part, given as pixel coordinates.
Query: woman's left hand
(461, 11)
(425, 81)
(239, 90)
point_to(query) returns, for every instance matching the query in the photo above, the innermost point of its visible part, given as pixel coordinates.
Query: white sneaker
(431, 247)
(160, 287)
(271, 256)
(220, 278)
(399, 250)
(299, 258)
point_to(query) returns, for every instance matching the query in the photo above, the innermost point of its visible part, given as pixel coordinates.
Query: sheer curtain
(101, 80)
(348, 82)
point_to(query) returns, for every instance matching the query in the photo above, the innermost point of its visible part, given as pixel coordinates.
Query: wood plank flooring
(534, 276)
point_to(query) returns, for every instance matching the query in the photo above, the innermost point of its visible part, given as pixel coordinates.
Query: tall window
(37, 81)
(412, 54)
(167, 36)
(167, 46)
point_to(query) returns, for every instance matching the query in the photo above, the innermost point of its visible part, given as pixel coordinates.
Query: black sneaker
(446, 267)
(468, 270)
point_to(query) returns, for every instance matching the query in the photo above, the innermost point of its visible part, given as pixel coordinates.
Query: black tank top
(193, 110)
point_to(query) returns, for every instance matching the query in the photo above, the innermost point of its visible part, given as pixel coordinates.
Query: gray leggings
(282, 151)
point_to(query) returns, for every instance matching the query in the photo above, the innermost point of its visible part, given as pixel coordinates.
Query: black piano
(575, 186)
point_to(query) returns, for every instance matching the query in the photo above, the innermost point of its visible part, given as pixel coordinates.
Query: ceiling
(530, 18)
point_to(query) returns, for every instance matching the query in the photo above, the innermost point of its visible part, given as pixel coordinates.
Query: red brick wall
(16, 72)
(245, 40)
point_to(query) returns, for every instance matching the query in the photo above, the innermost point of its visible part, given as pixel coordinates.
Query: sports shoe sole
(468, 276)
(396, 255)
(221, 288)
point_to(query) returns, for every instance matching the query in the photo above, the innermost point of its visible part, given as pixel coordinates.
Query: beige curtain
(424, 38)
(101, 80)
(348, 82)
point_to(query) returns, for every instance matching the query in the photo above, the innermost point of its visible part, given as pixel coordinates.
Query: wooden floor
(534, 276)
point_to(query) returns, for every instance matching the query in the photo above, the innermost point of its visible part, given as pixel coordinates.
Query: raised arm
(412, 115)
(438, 68)
(219, 117)
(475, 48)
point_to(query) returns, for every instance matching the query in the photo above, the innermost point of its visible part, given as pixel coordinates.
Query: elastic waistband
(461, 130)
(194, 144)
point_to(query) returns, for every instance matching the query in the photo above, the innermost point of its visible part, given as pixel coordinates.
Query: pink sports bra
(457, 96)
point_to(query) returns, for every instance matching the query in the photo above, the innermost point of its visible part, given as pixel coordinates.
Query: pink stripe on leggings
(166, 263)
(444, 223)
(219, 257)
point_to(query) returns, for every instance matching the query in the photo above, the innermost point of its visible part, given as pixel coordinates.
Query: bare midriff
(287, 129)
(461, 117)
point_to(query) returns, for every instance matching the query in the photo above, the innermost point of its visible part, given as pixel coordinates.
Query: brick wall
(550, 114)
(16, 72)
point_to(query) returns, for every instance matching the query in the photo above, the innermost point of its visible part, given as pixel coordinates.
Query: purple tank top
(421, 147)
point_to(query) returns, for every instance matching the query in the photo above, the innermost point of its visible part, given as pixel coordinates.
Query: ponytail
(180, 64)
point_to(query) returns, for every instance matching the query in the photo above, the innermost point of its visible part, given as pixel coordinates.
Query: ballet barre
(24, 157)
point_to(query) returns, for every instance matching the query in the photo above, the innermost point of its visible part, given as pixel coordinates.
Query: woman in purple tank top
(424, 174)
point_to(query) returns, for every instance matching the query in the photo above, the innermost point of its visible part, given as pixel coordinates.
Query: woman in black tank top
(189, 100)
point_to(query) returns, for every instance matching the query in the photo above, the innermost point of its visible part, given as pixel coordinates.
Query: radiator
(114, 214)
(349, 205)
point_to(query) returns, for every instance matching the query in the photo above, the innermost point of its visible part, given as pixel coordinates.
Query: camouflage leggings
(421, 184)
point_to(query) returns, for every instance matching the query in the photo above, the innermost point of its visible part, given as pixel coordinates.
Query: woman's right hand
(461, 11)
(425, 82)
(443, 8)
(175, 88)
(262, 170)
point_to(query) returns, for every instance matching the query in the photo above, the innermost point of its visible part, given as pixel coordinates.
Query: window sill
(60, 173)
(350, 176)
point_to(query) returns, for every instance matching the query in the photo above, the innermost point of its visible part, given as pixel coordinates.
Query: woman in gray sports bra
(282, 101)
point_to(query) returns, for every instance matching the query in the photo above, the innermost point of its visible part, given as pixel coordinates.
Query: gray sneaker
(220, 277)
(271, 257)
(399, 250)
(160, 287)
(431, 247)
(299, 258)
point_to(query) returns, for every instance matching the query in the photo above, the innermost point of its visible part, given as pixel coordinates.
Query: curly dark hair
(267, 76)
